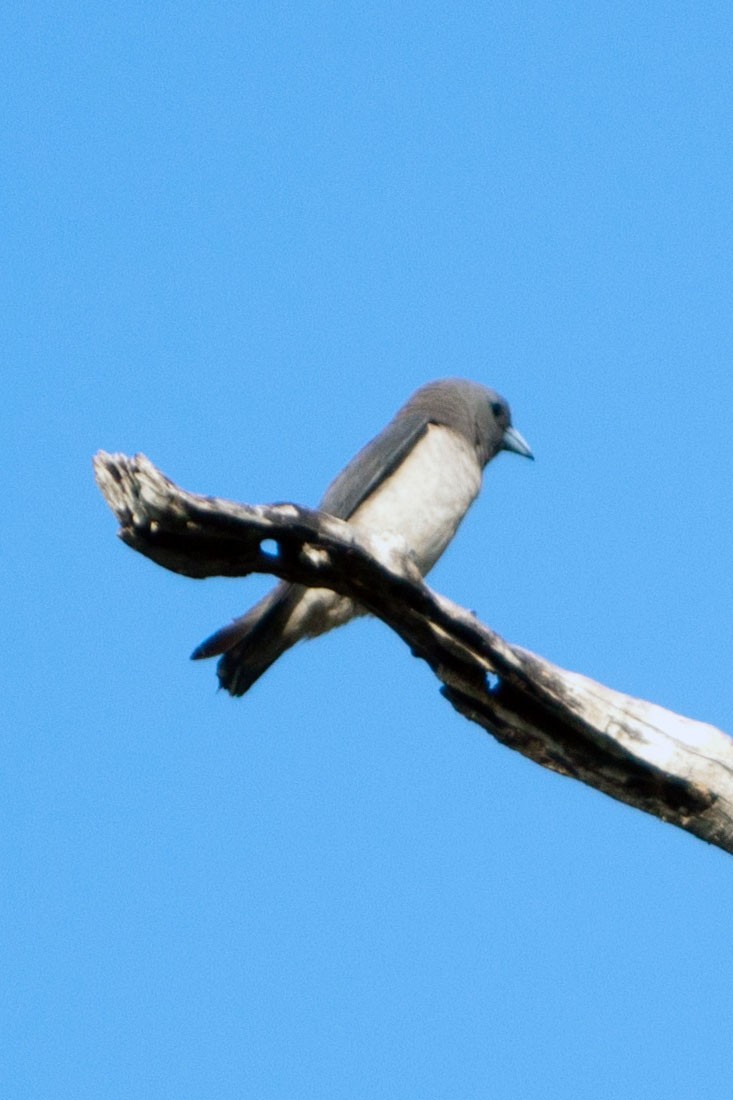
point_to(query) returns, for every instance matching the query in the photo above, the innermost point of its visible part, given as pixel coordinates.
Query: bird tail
(250, 644)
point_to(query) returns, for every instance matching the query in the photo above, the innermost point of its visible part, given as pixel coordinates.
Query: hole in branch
(493, 683)
(270, 548)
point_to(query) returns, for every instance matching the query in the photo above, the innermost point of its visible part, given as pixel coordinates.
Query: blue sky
(236, 238)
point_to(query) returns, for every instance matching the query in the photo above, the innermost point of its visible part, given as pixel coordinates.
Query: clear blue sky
(236, 237)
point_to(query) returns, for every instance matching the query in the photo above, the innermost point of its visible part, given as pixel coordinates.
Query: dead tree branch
(678, 769)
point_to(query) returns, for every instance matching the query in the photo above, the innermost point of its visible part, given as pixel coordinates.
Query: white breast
(423, 501)
(427, 496)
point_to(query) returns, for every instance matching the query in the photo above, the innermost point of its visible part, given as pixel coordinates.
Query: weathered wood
(678, 769)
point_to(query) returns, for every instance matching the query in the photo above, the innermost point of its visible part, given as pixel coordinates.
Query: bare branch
(678, 769)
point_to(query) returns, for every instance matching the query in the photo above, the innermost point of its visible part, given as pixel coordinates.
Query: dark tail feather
(253, 642)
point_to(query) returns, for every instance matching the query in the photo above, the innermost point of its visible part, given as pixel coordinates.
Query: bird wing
(374, 464)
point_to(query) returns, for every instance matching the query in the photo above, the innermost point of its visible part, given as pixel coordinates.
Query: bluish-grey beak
(515, 441)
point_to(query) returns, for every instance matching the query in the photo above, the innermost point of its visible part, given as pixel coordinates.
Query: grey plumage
(418, 478)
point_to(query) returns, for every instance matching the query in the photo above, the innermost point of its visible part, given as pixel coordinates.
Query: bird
(416, 479)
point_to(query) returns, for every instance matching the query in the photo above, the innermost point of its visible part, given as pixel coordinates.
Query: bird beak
(514, 441)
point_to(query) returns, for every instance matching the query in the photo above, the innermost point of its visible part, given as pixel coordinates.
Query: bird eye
(497, 408)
